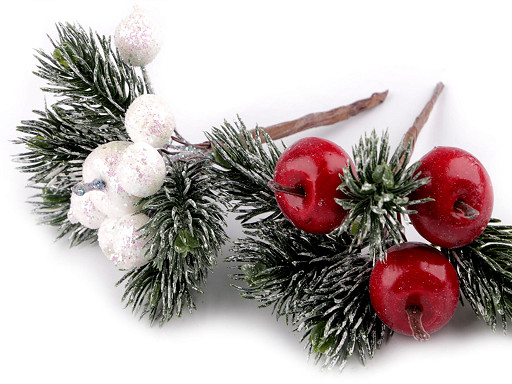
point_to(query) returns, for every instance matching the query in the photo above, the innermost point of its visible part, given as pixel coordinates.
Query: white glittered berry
(142, 170)
(106, 234)
(102, 164)
(150, 120)
(137, 39)
(122, 242)
(83, 209)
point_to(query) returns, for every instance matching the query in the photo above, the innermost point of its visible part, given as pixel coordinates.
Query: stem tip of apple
(466, 210)
(279, 188)
(418, 332)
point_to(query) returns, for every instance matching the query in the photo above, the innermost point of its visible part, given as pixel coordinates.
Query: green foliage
(246, 165)
(319, 284)
(485, 273)
(377, 193)
(185, 234)
(93, 88)
(337, 316)
(88, 75)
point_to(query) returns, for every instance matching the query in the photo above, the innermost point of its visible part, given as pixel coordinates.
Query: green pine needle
(246, 166)
(376, 194)
(93, 88)
(485, 273)
(318, 284)
(185, 235)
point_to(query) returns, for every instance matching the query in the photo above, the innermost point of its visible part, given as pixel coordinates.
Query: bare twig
(421, 120)
(312, 120)
(319, 119)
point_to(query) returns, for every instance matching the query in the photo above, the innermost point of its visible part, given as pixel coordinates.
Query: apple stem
(414, 315)
(467, 210)
(279, 188)
(319, 119)
(414, 131)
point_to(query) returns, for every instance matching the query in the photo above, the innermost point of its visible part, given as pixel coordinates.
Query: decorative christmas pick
(110, 166)
(324, 243)
(347, 291)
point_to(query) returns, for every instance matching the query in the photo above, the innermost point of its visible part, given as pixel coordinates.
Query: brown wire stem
(319, 119)
(414, 131)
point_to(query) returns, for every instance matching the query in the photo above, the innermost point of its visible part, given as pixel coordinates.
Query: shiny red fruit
(463, 198)
(415, 292)
(312, 166)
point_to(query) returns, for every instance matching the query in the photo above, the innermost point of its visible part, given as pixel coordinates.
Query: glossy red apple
(415, 291)
(463, 198)
(305, 183)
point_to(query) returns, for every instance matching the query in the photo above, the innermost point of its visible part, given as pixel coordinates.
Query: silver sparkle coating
(102, 163)
(82, 188)
(83, 209)
(142, 170)
(122, 240)
(149, 119)
(137, 38)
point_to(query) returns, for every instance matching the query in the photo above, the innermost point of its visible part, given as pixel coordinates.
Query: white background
(268, 61)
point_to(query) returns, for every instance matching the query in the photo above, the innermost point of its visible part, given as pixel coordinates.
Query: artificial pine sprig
(319, 284)
(89, 76)
(93, 88)
(185, 234)
(484, 268)
(247, 164)
(376, 192)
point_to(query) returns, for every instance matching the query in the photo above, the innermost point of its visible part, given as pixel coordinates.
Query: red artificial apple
(305, 183)
(463, 198)
(415, 291)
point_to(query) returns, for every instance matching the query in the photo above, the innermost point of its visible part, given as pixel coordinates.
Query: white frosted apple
(102, 164)
(122, 241)
(83, 210)
(149, 119)
(142, 170)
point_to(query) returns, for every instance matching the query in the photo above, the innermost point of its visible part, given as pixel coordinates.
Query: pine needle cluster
(93, 88)
(484, 268)
(317, 283)
(247, 164)
(185, 234)
(376, 193)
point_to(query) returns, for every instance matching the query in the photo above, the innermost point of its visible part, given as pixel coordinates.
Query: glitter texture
(137, 39)
(81, 188)
(142, 170)
(150, 120)
(102, 164)
(122, 242)
(83, 210)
